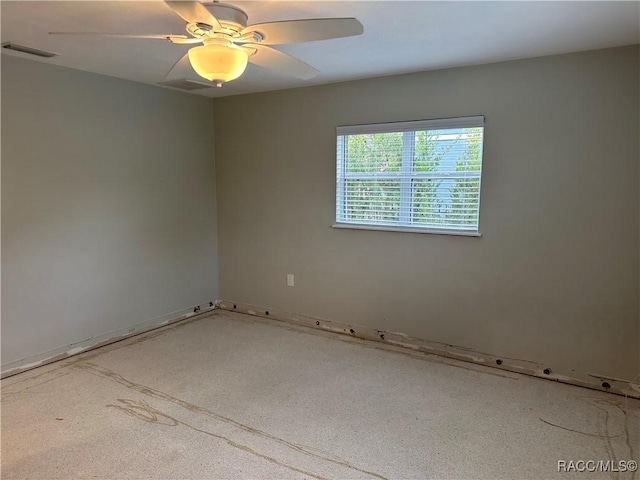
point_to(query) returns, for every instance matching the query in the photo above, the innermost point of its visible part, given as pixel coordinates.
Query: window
(418, 176)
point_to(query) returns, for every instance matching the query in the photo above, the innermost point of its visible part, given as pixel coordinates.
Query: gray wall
(553, 279)
(108, 205)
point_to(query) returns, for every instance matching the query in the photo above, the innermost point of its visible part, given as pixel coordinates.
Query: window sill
(386, 228)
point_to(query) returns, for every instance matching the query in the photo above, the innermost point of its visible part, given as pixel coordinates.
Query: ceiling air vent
(30, 50)
(184, 84)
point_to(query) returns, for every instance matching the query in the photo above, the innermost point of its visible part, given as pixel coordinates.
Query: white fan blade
(193, 12)
(181, 69)
(281, 62)
(297, 31)
(173, 38)
(185, 41)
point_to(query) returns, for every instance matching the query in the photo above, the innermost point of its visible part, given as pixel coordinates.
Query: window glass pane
(374, 153)
(372, 200)
(448, 151)
(446, 202)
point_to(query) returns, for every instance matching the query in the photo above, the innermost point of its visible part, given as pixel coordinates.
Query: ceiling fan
(228, 43)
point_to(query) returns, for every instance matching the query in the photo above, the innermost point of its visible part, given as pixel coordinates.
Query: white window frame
(408, 129)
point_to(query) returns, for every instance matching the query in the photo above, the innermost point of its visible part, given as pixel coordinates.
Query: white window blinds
(419, 175)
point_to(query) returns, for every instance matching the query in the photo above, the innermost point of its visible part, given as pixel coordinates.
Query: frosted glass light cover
(220, 63)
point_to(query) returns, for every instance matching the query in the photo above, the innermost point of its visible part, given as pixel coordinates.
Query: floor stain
(6, 395)
(604, 423)
(143, 411)
(614, 402)
(153, 393)
(578, 431)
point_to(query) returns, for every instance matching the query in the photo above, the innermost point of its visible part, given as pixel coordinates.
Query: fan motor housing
(230, 17)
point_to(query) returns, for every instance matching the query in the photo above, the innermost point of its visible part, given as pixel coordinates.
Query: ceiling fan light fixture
(218, 62)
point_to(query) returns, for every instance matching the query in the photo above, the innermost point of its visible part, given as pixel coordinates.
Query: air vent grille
(30, 50)
(184, 84)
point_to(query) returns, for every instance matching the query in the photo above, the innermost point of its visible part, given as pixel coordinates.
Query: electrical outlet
(290, 281)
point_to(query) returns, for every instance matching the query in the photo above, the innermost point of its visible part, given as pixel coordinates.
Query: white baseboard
(65, 351)
(583, 379)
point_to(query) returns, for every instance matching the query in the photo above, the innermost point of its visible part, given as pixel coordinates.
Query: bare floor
(232, 396)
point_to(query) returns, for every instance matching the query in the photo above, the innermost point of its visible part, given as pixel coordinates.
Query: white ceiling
(398, 36)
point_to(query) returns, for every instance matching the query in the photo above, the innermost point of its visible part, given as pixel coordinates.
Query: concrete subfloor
(229, 396)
